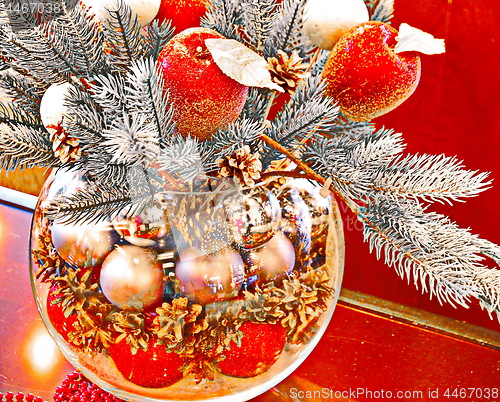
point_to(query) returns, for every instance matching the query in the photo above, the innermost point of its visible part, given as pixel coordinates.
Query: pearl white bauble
(206, 279)
(145, 10)
(83, 244)
(52, 108)
(131, 276)
(273, 260)
(325, 21)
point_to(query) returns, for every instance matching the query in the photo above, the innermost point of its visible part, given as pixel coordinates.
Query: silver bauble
(83, 244)
(271, 261)
(206, 279)
(296, 222)
(131, 276)
(253, 215)
(319, 206)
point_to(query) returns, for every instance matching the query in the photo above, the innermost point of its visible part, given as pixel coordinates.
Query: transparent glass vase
(174, 301)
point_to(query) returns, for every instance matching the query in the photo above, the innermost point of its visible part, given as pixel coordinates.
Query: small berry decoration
(19, 397)
(76, 388)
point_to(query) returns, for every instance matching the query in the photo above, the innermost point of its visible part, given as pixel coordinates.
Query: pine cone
(242, 165)
(287, 71)
(66, 148)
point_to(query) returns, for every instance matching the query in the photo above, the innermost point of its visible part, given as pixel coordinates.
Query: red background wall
(454, 111)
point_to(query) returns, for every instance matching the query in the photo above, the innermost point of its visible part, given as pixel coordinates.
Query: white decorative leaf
(241, 63)
(412, 39)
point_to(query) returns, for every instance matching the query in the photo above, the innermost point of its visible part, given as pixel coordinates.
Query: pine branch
(97, 203)
(223, 16)
(309, 114)
(147, 95)
(225, 142)
(157, 37)
(25, 90)
(14, 114)
(46, 49)
(182, 159)
(259, 17)
(287, 31)
(380, 10)
(124, 39)
(256, 104)
(131, 139)
(429, 178)
(427, 247)
(23, 146)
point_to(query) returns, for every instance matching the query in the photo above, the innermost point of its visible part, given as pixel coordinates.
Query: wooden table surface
(372, 349)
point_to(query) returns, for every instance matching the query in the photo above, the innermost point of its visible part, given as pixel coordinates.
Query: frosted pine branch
(182, 159)
(223, 16)
(24, 146)
(427, 247)
(287, 31)
(123, 37)
(146, 95)
(157, 37)
(259, 17)
(430, 178)
(131, 139)
(224, 142)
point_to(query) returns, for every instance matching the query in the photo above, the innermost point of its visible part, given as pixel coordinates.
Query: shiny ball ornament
(52, 107)
(144, 10)
(131, 276)
(82, 244)
(319, 206)
(296, 221)
(325, 21)
(366, 76)
(273, 260)
(253, 216)
(206, 279)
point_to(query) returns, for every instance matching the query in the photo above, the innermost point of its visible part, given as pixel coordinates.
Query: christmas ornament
(272, 260)
(130, 276)
(261, 345)
(183, 14)
(325, 21)
(143, 10)
(152, 367)
(203, 98)
(206, 279)
(317, 205)
(75, 387)
(366, 76)
(52, 107)
(82, 244)
(52, 110)
(253, 215)
(296, 222)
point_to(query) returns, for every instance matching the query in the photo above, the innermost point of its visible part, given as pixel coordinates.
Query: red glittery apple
(203, 98)
(261, 345)
(154, 367)
(366, 76)
(183, 13)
